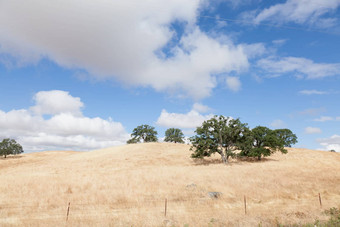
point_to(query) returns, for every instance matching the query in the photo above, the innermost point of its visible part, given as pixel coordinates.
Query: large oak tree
(218, 135)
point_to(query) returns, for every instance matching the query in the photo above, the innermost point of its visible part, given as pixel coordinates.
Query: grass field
(128, 185)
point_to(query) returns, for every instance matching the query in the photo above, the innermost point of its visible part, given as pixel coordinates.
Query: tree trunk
(259, 157)
(224, 158)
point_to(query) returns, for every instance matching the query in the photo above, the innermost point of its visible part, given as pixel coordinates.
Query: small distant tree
(218, 135)
(174, 135)
(262, 142)
(10, 146)
(143, 133)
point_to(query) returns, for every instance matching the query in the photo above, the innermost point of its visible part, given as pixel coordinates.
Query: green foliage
(10, 146)
(143, 133)
(132, 140)
(218, 135)
(224, 136)
(262, 142)
(286, 136)
(333, 221)
(334, 214)
(174, 135)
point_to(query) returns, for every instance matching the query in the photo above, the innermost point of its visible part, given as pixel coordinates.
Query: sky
(81, 74)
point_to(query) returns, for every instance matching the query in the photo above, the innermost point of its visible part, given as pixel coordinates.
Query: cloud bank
(65, 129)
(129, 41)
(332, 143)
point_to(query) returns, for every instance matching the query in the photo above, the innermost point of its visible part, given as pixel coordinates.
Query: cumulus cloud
(66, 128)
(56, 102)
(188, 120)
(129, 41)
(299, 66)
(233, 83)
(332, 143)
(310, 12)
(312, 130)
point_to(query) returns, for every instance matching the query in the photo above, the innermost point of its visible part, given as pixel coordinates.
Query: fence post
(68, 211)
(245, 205)
(166, 204)
(320, 200)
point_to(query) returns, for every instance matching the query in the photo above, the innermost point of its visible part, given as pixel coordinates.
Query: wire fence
(244, 206)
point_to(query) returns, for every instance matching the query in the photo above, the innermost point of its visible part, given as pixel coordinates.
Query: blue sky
(80, 75)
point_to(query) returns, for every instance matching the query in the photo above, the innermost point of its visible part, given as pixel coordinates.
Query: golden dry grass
(127, 186)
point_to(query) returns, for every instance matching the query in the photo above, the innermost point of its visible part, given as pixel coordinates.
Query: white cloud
(201, 108)
(233, 83)
(312, 130)
(56, 102)
(332, 143)
(301, 12)
(122, 40)
(277, 124)
(254, 50)
(279, 41)
(327, 118)
(324, 118)
(46, 141)
(312, 111)
(66, 129)
(19, 122)
(299, 66)
(313, 92)
(191, 119)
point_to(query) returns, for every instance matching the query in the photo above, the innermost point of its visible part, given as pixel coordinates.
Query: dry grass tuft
(128, 185)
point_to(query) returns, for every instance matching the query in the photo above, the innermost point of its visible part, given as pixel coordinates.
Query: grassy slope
(127, 185)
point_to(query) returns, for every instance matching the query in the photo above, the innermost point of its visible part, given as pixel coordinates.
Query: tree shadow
(254, 160)
(206, 162)
(11, 157)
(234, 161)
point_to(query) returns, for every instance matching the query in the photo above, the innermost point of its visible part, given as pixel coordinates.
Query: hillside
(128, 185)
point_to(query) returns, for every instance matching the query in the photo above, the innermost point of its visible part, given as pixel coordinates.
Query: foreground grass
(333, 221)
(128, 185)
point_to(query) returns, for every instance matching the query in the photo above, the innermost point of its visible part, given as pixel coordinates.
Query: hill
(128, 185)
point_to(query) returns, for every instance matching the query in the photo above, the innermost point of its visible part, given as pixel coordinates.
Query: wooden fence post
(245, 205)
(68, 211)
(320, 200)
(166, 204)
